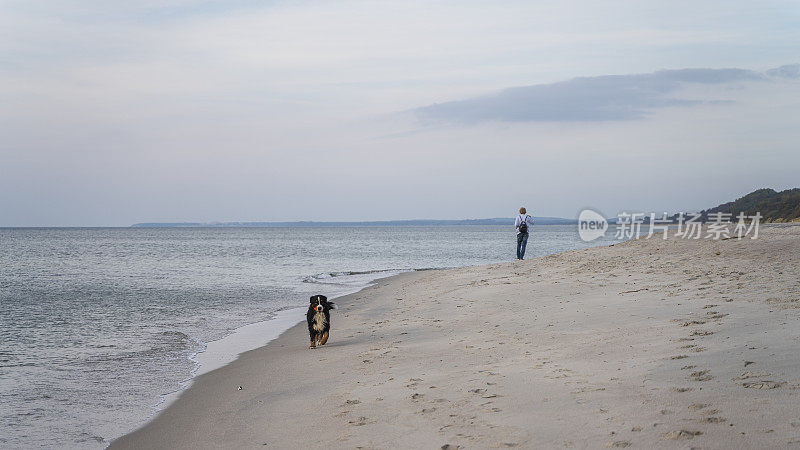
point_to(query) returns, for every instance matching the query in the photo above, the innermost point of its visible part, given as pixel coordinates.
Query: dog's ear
(312, 299)
(323, 298)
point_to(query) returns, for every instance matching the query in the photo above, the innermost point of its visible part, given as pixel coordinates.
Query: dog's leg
(313, 341)
(324, 338)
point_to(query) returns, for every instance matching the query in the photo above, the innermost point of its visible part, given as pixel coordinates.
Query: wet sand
(648, 343)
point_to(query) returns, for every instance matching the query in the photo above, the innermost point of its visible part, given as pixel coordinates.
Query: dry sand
(649, 344)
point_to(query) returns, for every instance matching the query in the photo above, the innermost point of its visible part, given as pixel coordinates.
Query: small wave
(176, 334)
(322, 277)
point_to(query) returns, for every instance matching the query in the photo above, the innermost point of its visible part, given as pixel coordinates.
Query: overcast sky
(116, 112)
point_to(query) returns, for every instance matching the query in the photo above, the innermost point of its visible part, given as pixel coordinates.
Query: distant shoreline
(378, 223)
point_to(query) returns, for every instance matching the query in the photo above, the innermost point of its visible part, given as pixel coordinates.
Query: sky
(117, 112)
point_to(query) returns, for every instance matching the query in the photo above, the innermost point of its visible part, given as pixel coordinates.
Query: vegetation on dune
(774, 206)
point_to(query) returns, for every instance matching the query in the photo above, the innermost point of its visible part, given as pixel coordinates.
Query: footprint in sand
(618, 444)
(698, 406)
(746, 375)
(701, 333)
(681, 434)
(679, 357)
(764, 384)
(413, 382)
(682, 389)
(360, 422)
(713, 420)
(700, 375)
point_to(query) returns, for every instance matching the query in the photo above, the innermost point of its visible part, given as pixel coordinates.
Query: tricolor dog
(319, 319)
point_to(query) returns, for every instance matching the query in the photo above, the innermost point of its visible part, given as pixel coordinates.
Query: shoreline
(640, 343)
(295, 328)
(221, 352)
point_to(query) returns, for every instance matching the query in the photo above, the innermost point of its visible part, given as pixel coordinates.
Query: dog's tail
(333, 305)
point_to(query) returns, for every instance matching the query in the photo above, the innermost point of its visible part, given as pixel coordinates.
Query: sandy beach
(647, 343)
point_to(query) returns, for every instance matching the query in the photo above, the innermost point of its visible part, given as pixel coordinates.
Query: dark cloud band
(602, 98)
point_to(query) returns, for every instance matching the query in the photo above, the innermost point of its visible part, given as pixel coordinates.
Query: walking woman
(522, 224)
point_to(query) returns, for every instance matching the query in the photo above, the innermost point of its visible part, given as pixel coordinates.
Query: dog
(319, 319)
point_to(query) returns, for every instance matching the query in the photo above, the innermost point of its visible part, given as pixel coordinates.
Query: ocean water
(98, 325)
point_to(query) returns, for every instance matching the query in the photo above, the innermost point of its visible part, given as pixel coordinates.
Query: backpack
(523, 226)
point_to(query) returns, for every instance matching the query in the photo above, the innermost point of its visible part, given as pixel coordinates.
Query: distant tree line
(774, 206)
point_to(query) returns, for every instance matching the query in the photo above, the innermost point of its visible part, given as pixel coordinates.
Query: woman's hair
(522, 210)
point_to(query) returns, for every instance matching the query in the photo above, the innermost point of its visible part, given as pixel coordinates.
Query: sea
(101, 327)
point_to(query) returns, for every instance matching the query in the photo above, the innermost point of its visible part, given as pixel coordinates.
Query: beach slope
(648, 343)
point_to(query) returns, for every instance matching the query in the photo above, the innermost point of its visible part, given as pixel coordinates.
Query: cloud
(601, 98)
